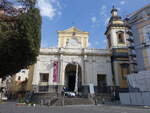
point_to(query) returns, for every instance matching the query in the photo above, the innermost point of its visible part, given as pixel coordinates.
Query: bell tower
(116, 34)
(116, 31)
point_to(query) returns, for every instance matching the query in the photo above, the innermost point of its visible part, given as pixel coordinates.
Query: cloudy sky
(88, 15)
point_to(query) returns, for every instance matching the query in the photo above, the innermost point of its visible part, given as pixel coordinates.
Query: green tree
(19, 41)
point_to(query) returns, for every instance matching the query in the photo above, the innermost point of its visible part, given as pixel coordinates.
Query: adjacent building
(140, 26)
(139, 49)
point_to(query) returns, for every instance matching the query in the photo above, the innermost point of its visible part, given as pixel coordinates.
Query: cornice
(116, 25)
(76, 52)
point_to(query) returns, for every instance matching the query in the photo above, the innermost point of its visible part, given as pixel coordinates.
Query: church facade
(72, 65)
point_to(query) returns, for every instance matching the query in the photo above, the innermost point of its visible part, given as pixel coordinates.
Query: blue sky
(88, 15)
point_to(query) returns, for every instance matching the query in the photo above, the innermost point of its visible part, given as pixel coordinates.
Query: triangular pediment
(72, 29)
(72, 38)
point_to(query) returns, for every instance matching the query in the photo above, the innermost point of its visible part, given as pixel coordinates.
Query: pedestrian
(62, 96)
(103, 100)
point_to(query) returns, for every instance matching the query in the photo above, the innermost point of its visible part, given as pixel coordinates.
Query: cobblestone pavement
(10, 107)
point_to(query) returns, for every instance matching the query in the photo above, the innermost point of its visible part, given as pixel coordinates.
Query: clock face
(73, 43)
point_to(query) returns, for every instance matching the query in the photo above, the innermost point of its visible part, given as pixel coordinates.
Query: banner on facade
(55, 71)
(91, 88)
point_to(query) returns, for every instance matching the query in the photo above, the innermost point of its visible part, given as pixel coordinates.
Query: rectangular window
(19, 77)
(44, 77)
(101, 83)
(146, 33)
(148, 36)
(101, 80)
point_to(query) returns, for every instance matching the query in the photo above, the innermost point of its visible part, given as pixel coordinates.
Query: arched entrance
(73, 78)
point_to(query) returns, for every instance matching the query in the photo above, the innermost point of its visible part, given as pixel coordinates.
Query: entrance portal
(71, 81)
(70, 77)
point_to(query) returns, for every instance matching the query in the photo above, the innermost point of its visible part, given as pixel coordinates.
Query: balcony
(130, 40)
(146, 44)
(131, 47)
(133, 62)
(132, 55)
(130, 33)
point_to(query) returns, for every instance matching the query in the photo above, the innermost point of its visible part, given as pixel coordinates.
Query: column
(61, 71)
(76, 82)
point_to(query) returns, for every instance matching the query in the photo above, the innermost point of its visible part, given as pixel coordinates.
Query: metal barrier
(135, 98)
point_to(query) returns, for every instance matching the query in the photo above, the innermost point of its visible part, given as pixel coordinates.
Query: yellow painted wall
(65, 35)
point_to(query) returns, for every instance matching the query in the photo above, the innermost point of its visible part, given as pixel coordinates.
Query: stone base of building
(48, 89)
(57, 89)
(53, 93)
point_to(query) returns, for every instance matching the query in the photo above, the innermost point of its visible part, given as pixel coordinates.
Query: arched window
(120, 36)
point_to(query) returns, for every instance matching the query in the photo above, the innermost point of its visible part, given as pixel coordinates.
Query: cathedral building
(77, 67)
(72, 65)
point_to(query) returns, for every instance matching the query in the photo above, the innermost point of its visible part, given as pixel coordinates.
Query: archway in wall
(70, 77)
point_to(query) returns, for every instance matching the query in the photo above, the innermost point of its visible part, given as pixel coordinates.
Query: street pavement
(10, 107)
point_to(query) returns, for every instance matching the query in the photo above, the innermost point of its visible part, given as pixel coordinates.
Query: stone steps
(72, 101)
(101, 98)
(57, 100)
(77, 101)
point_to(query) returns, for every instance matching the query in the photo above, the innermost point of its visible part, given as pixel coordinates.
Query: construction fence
(135, 98)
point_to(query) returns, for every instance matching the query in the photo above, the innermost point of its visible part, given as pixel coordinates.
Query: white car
(4, 98)
(70, 94)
